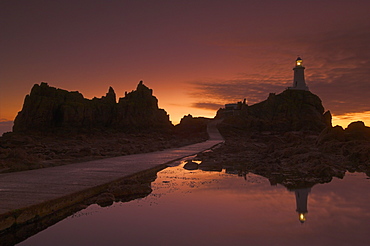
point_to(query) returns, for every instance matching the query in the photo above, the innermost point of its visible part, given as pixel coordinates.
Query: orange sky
(195, 55)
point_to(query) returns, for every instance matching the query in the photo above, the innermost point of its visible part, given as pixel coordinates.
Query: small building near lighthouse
(298, 79)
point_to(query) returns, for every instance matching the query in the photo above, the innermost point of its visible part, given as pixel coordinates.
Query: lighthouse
(301, 196)
(298, 80)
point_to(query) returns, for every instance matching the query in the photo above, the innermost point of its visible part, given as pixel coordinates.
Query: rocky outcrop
(291, 110)
(294, 159)
(291, 158)
(356, 131)
(48, 109)
(190, 124)
(353, 143)
(139, 110)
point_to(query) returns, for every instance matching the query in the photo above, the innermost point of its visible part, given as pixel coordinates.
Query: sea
(223, 207)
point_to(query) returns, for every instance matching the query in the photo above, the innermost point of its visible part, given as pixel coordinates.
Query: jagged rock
(190, 124)
(353, 143)
(291, 110)
(331, 133)
(357, 131)
(47, 109)
(139, 110)
(328, 119)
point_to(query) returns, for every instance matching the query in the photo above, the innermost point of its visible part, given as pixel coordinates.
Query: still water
(218, 208)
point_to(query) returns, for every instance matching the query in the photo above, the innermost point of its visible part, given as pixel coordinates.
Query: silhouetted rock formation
(139, 110)
(191, 124)
(356, 131)
(57, 127)
(353, 143)
(47, 108)
(291, 110)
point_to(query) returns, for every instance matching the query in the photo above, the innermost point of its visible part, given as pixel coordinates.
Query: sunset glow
(195, 55)
(346, 119)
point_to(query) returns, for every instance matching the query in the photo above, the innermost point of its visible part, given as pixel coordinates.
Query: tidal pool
(217, 208)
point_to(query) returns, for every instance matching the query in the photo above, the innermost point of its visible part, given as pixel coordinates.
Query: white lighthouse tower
(298, 80)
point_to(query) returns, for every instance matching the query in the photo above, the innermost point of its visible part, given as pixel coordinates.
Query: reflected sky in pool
(218, 208)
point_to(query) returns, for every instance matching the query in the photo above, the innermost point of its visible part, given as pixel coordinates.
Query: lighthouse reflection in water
(301, 196)
(216, 207)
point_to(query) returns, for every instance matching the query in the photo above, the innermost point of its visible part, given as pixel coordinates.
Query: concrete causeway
(36, 193)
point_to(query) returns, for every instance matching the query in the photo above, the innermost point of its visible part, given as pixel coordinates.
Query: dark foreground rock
(353, 143)
(289, 139)
(293, 159)
(23, 152)
(190, 126)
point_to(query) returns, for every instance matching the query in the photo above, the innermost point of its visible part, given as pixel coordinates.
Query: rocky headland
(289, 139)
(291, 110)
(58, 127)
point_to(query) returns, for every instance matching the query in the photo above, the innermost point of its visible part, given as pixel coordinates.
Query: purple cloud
(337, 70)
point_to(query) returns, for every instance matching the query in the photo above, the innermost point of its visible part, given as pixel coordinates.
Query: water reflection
(301, 197)
(121, 191)
(301, 187)
(223, 207)
(301, 194)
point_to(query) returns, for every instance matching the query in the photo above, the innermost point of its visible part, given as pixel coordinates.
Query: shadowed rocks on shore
(290, 140)
(57, 127)
(288, 137)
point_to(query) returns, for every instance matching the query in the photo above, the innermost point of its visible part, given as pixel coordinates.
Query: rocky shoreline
(287, 138)
(293, 159)
(20, 152)
(57, 127)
